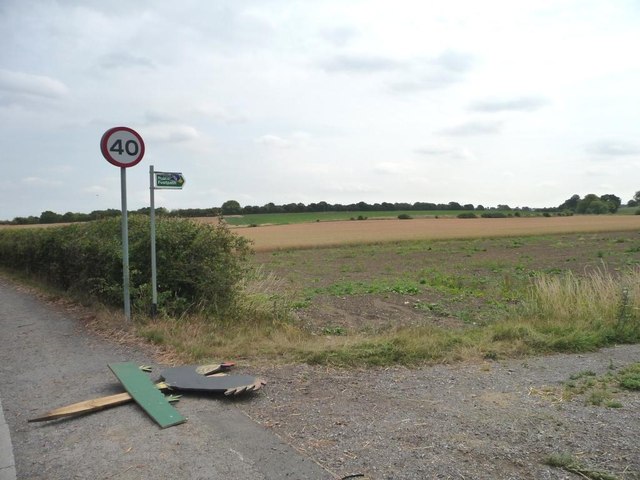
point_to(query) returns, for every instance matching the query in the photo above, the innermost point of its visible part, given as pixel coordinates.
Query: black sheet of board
(188, 379)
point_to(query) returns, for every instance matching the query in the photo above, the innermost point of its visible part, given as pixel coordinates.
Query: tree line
(590, 204)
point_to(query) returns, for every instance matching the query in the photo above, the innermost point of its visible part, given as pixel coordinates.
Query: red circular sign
(122, 147)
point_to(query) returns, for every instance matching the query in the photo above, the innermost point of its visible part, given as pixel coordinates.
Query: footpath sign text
(169, 180)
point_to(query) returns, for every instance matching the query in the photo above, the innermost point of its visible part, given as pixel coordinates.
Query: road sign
(122, 147)
(169, 180)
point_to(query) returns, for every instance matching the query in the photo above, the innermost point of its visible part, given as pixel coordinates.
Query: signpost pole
(152, 216)
(125, 244)
(124, 148)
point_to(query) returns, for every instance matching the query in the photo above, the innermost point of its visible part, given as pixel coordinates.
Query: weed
(585, 373)
(630, 377)
(334, 331)
(437, 309)
(349, 287)
(567, 462)
(602, 390)
(598, 397)
(154, 336)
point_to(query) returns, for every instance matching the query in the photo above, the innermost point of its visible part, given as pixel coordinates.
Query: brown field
(37, 225)
(325, 234)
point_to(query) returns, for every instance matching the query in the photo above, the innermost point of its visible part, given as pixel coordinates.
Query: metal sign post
(124, 148)
(158, 180)
(152, 218)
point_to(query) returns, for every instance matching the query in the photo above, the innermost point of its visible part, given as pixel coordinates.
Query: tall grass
(601, 305)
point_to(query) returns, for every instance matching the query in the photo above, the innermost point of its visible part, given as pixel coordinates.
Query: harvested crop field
(324, 234)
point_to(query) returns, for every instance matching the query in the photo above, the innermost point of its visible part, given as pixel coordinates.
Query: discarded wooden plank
(146, 394)
(88, 406)
(85, 406)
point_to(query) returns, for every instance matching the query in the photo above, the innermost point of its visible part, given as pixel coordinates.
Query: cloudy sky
(516, 102)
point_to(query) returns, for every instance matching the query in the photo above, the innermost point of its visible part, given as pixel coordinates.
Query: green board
(145, 393)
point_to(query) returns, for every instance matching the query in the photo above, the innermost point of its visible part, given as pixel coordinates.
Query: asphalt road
(48, 359)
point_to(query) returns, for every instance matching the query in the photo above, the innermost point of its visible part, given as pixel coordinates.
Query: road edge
(7, 462)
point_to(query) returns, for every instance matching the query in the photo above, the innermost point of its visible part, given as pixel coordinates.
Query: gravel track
(495, 420)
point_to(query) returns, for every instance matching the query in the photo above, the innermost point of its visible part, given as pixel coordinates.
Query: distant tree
(571, 203)
(584, 205)
(324, 207)
(31, 220)
(635, 201)
(613, 201)
(273, 208)
(454, 206)
(480, 208)
(49, 217)
(504, 207)
(468, 206)
(424, 206)
(231, 207)
(598, 207)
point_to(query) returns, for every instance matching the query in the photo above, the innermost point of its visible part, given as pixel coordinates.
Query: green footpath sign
(169, 180)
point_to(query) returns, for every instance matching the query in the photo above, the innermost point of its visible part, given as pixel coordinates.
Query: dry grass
(562, 313)
(325, 234)
(600, 294)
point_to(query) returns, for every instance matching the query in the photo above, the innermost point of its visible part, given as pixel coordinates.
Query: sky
(523, 103)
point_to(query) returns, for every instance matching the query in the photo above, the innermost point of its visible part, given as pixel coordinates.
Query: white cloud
(295, 139)
(474, 127)
(614, 148)
(446, 151)
(361, 64)
(95, 190)
(443, 70)
(393, 168)
(169, 133)
(522, 104)
(125, 60)
(41, 182)
(339, 36)
(29, 84)
(274, 141)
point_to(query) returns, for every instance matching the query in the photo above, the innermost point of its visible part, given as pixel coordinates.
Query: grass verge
(592, 312)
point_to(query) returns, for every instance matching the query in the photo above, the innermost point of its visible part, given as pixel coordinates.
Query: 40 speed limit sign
(122, 147)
